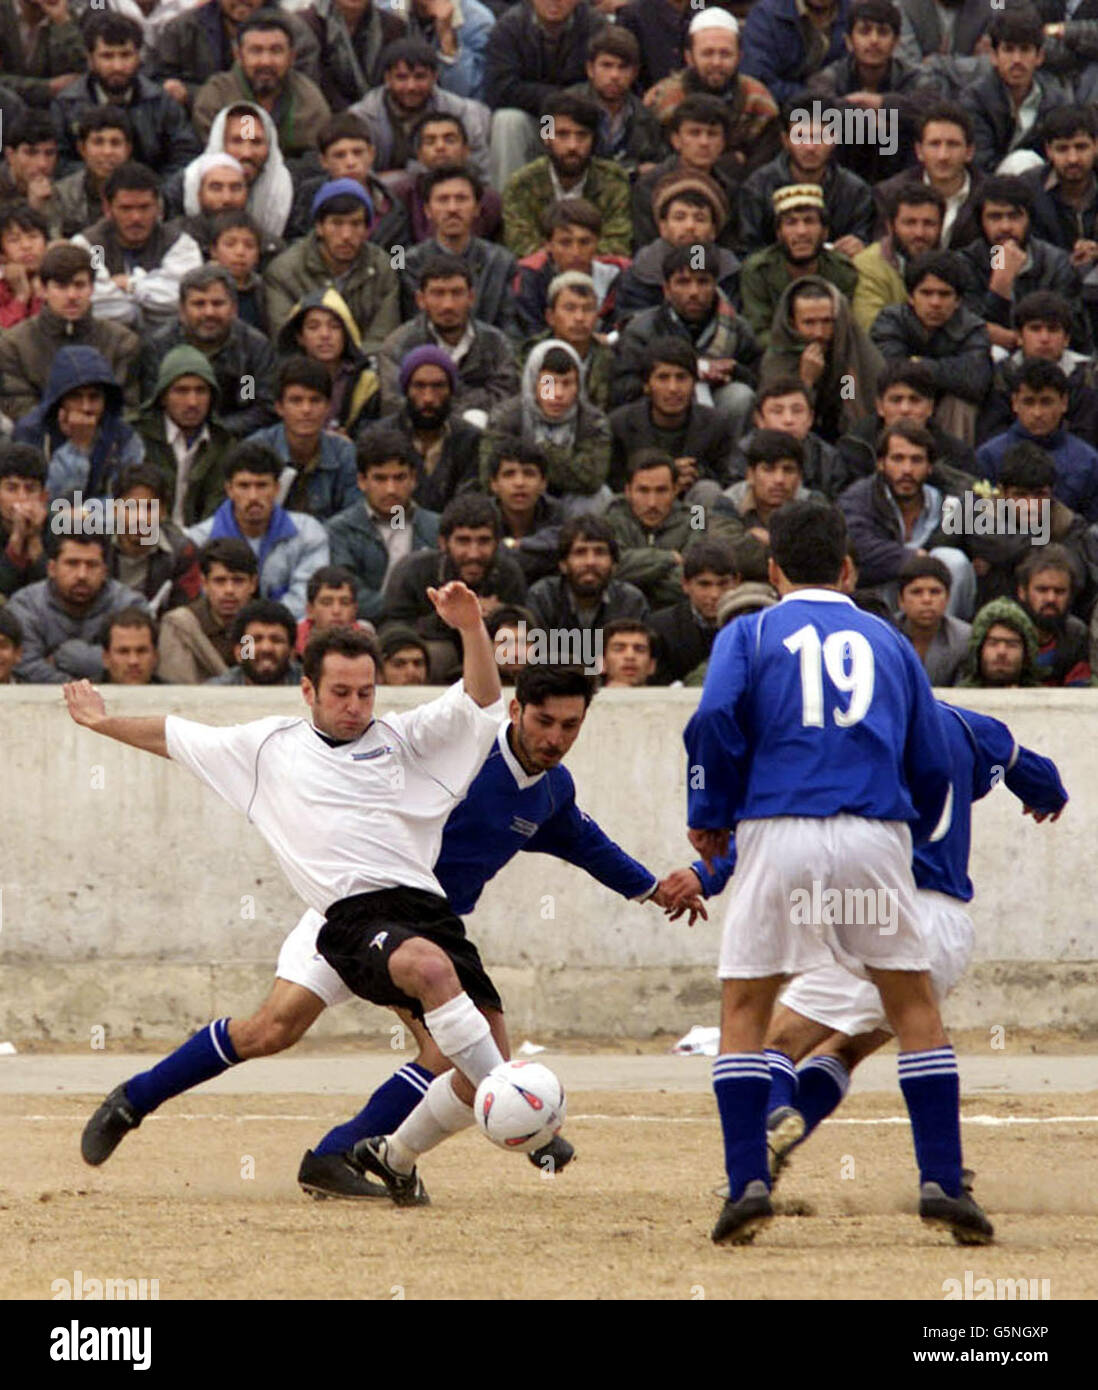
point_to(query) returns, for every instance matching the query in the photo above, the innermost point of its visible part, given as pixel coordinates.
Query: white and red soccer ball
(520, 1106)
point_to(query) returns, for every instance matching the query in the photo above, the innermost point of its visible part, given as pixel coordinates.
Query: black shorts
(360, 933)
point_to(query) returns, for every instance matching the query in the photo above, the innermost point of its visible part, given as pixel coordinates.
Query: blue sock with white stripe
(821, 1085)
(388, 1107)
(932, 1090)
(741, 1082)
(207, 1054)
(783, 1080)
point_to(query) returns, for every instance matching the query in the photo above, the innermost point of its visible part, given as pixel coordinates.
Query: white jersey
(356, 818)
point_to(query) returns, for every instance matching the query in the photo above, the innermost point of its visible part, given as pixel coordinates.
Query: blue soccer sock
(932, 1090)
(741, 1082)
(783, 1080)
(388, 1107)
(207, 1054)
(821, 1085)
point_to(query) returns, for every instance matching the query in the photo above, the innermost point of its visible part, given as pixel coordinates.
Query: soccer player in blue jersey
(818, 739)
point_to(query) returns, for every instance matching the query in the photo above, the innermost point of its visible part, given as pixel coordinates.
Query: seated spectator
(695, 309)
(104, 141)
(1006, 262)
(628, 133)
(572, 228)
(182, 438)
(1008, 104)
(329, 602)
(800, 249)
(1002, 648)
(24, 508)
(814, 336)
(459, 37)
(1065, 208)
(337, 250)
(668, 417)
(321, 328)
(512, 629)
(264, 49)
(162, 137)
(553, 412)
(530, 521)
(29, 169)
(685, 631)
(698, 131)
(350, 39)
(485, 361)
(898, 511)
(943, 153)
(241, 357)
(807, 156)
(444, 446)
(382, 525)
(940, 641)
(129, 649)
(149, 553)
(196, 640)
(914, 228)
(289, 545)
(404, 657)
(141, 259)
(571, 312)
(79, 426)
(568, 169)
(627, 659)
(245, 132)
(775, 476)
(468, 549)
(585, 594)
(653, 528)
(451, 196)
(783, 50)
(1046, 589)
(62, 615)
(1039, 403)
(785, 403)
(662, 30)
(211, 184)
(40, 53)
(410, 90)
(22, 248)
(263, 635)
(948, 339)
(11, 647)
(440, 137)
(346, 151)
(236, 243)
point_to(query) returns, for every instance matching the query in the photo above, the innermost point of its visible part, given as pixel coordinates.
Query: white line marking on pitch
(654, 1119)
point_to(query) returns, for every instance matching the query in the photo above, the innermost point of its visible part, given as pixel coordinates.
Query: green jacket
(206, 480)
(879, 284)
(597, 368)
(529, 192)
(646, 557)
(298, 117)
(582, 468)
(1009, 614)
(765, 276)
(57, 49)
(370, 288)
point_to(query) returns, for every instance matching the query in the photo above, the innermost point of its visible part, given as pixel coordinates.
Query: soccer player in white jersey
(817, 738)
(354, 808)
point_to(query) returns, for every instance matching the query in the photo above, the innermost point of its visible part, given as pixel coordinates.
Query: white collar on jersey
(818, 596)
(523, 779)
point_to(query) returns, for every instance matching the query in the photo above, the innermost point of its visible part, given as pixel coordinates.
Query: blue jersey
(815, 708)
(507, 810)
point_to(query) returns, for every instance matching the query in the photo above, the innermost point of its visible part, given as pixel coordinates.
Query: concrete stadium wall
(135, 901)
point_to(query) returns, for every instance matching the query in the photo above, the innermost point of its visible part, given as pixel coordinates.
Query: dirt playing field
(203, 1199)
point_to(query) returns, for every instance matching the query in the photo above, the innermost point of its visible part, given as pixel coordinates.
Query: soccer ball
(520, 1106)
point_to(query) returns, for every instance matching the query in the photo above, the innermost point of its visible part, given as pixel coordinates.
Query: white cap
(714, 19)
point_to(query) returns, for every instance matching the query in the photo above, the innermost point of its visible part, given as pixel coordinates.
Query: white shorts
(302, 964)
(809, 891)
(840, 1001)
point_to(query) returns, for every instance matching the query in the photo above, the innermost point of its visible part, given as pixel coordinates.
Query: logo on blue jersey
(374, 753)
(525, 828)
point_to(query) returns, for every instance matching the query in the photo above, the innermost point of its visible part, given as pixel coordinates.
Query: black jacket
(456, 470)
(966, 225)
(405, 599)
(492, 267)
(245, 369)
(848, 199)
(704, 436)
(681, 642)
(627, 378)
(1051, 270)
(1082, 412)
(876, 532)
(957, 355)
(955, 464)
(163, 137)
(825, 470)
(523, 67)
(988, 104)
(550, 600)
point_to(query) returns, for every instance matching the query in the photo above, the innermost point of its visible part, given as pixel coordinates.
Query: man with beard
(653, 527)
(264, 72)
(1046, 587)
(242, 358)
(799, 249)
(196, 640)
(943, 151)
(245, 133)
(104, 141)
(568, 169)
(290, 546)
(266, 631)
(162, 136)
(585, 594)
(444, 446)
(914, 227)
(1065, 209)
(211, 184)
(439, 137)
(458, 33)
(469, 550)
(629, 134)
(1002, 649)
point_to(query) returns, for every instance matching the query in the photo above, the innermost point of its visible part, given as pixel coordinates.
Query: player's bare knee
(420, 968)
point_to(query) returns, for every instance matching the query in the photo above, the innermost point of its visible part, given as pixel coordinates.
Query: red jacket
(12, 310)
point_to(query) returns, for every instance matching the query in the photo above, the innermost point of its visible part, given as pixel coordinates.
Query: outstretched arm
(87, 708)
(459, 607)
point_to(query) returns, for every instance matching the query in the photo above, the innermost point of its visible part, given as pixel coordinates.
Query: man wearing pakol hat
(712, 57)
(786, 41)
(337, 252)
(800, 224)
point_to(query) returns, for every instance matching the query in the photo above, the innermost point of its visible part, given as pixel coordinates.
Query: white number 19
(849, 661)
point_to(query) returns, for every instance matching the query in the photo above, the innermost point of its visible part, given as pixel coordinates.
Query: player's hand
(1051, 816)
(680, 892)
(85, 703)
(457, 605)
(710, 844)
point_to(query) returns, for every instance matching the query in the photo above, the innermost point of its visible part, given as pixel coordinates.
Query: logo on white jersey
(373, 753)
(380, 939)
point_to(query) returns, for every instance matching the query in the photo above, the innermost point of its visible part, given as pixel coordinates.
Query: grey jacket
(58, 647)
(475, 117)
(487, 374)
(948, 650)
(356, 543)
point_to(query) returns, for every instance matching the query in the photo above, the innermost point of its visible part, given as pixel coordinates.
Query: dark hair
(1004, 188)
(203, 276)
(1047, 557)
(444, 173)
(574, 108)
(675, 351)
(620, 626)
(329, 577)
(945, 111)
(229, 221)
(128, 617)
(53, 542)
(558, 362)
(142, 475)
(262, 22)
(806, 289)
(644, 460)
(378, 446)
(692, 197)
(22, 461)
(808, 542)
(914, 434)
(585, 527)
(944, 265)
(536, 684)
(251, 456)
(702, 110)
(924, 567)
(471, 509)
(703, 258)
(771, 446)
(395, 639)
(437, 118)
(444, 267)
(572, 212)
(616, 42)
(874, 12)
(708, 553)
(265, 610)
(342, 641)
(23, 216)
(236, 556)
(1043, 306)
(1020, 25)
(750, 556)
(1027, 465)
(1039, 375)
(131, 178)
(94, 118)
(902, 371)
(1062, 122)
(415, 52)
(303, 371)
(106, 26)
(516, 450)
(343, 126)
(781, 386)
(31, 128)
(915, 195)
(10, 627)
